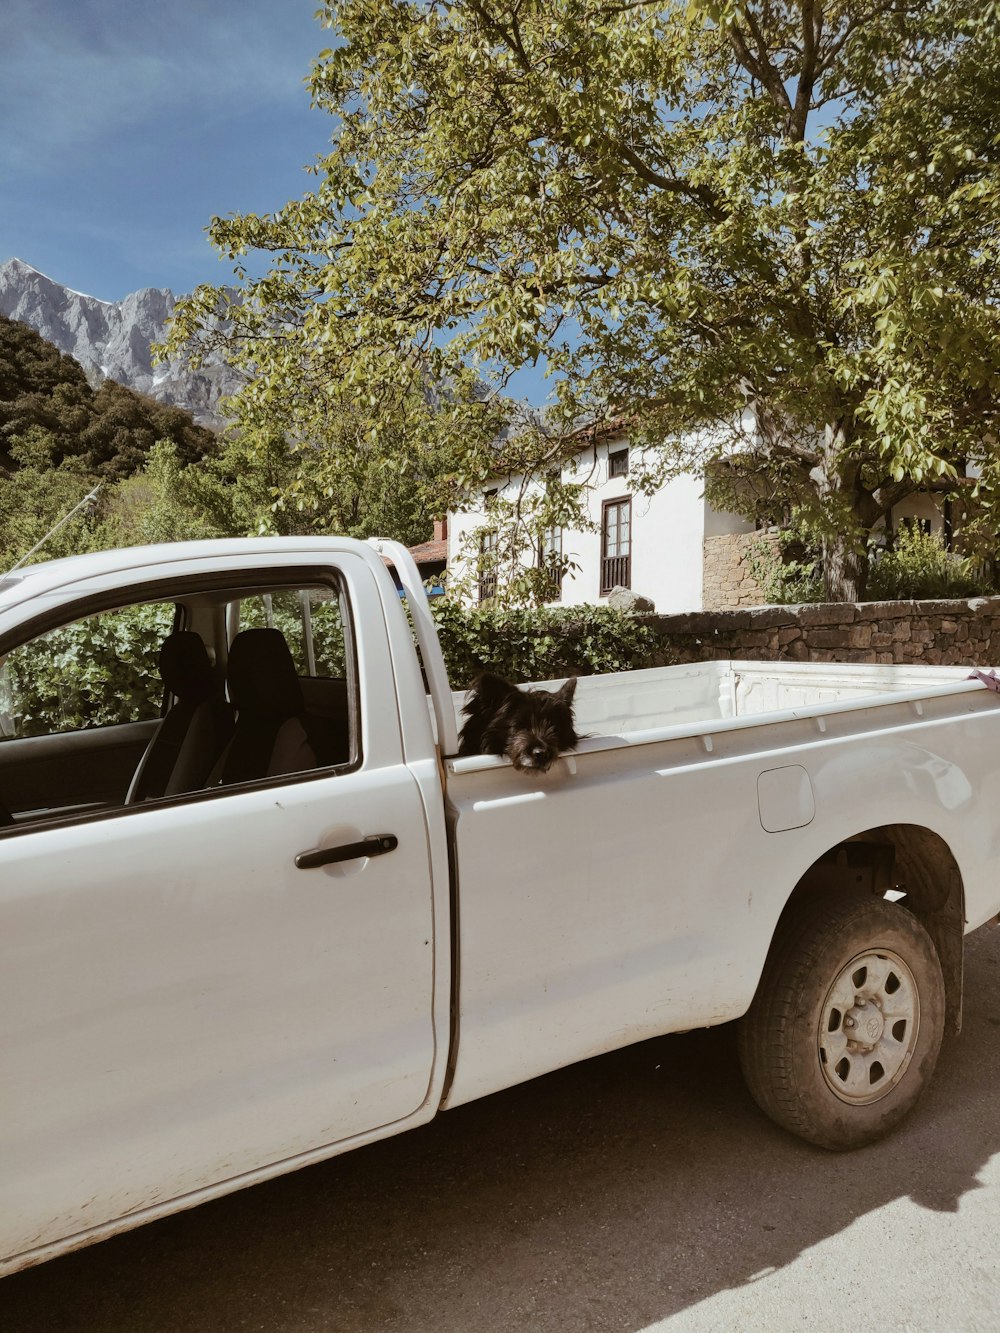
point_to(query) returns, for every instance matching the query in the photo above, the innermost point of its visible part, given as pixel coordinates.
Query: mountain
(111, 339)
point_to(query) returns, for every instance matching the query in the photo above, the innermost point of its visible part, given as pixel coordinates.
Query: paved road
(639, 1191)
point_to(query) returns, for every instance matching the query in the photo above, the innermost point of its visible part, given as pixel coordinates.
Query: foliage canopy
(721, 219)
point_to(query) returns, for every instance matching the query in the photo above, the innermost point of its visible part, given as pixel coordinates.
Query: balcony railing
(616, 572)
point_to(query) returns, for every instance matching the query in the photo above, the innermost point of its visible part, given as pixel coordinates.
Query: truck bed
(661, 701)
(635, 888)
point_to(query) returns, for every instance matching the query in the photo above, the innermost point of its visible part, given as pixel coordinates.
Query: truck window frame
(166, 589)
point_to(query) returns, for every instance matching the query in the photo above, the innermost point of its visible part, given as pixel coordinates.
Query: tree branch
(829, 56)
(675, 185)
(759, 66)
(511, 40)
(812, 29)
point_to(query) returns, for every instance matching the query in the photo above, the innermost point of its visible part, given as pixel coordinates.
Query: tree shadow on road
(603, 1197)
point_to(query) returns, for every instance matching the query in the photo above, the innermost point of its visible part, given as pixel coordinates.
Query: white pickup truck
(255, 911)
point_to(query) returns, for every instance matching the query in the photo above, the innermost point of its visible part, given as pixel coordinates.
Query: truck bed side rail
(427, 639)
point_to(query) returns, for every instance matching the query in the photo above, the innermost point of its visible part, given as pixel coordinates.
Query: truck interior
(199, 690)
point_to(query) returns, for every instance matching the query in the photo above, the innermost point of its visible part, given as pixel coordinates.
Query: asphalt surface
(639, 1191)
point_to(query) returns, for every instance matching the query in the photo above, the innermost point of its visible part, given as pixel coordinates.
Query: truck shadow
(603, 1197)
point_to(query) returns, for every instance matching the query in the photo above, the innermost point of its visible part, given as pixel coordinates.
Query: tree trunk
(845, 548)
(845, 569)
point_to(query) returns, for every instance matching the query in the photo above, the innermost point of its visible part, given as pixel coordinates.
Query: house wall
(922, 504)
(718, 523)
(729, 577)
(666, 540)
(668, 531)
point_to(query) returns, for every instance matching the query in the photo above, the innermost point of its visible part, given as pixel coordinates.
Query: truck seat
(272, 734)
(196, 729)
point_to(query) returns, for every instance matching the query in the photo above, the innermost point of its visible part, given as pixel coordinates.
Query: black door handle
(377, 845)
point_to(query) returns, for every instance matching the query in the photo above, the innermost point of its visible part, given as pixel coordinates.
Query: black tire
(805, 1059)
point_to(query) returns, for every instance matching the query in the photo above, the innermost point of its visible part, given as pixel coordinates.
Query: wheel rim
(868, 1027)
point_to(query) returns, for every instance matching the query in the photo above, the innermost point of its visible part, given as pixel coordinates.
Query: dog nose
(538, 752)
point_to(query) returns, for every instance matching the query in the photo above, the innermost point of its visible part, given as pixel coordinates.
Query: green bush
(786, 575)
(540, 644)
(919, 567)
(89, 674)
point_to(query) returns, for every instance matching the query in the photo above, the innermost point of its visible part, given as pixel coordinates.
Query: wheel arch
(914, 866)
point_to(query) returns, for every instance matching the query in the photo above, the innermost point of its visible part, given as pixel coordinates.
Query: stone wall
(728, 579)
(954, 633)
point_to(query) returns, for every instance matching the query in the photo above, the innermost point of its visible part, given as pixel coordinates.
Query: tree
(158, 504)
(38, 494)
(376, 447)
(698, 214)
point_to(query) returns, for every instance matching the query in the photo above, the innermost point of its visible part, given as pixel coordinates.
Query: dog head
(531, 727)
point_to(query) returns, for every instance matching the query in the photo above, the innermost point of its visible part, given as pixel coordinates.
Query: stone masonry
(954, 633)
(728, 577)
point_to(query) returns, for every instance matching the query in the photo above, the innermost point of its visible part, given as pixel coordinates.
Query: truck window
(310, 620)
(312, 624)
(95, 672)
(140, 703)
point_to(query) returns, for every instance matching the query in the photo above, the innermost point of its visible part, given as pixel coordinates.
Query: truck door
(204, 984)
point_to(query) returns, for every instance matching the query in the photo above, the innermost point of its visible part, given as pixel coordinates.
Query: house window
(618, 463)
(550, 549)
(616, 544)
(487, 563)
(487, 566)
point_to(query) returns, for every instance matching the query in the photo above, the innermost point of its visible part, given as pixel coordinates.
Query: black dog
(531, 727)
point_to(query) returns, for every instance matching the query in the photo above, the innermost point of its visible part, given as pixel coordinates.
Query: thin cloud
(73, 77)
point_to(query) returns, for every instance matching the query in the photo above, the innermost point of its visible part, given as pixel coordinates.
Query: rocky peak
(112, 339)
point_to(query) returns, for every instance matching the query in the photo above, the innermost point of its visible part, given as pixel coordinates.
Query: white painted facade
(668, 530)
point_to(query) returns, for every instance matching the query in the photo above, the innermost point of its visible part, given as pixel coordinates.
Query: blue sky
(125, 125)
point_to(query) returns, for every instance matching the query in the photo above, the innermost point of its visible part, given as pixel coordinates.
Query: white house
(652, 544)
(672, 547)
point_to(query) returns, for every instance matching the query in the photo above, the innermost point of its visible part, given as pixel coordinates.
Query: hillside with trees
(108, 430)
(162, 477)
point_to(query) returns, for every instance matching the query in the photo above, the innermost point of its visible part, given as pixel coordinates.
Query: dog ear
(565, 693)
(492, 689)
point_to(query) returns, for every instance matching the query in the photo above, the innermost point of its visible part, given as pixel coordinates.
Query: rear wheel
(846, 1025)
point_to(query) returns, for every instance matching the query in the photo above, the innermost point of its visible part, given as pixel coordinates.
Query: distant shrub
(919, 567)
(540, 643)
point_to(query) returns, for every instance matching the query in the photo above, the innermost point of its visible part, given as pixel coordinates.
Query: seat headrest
(261, 675)
(185, 668)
